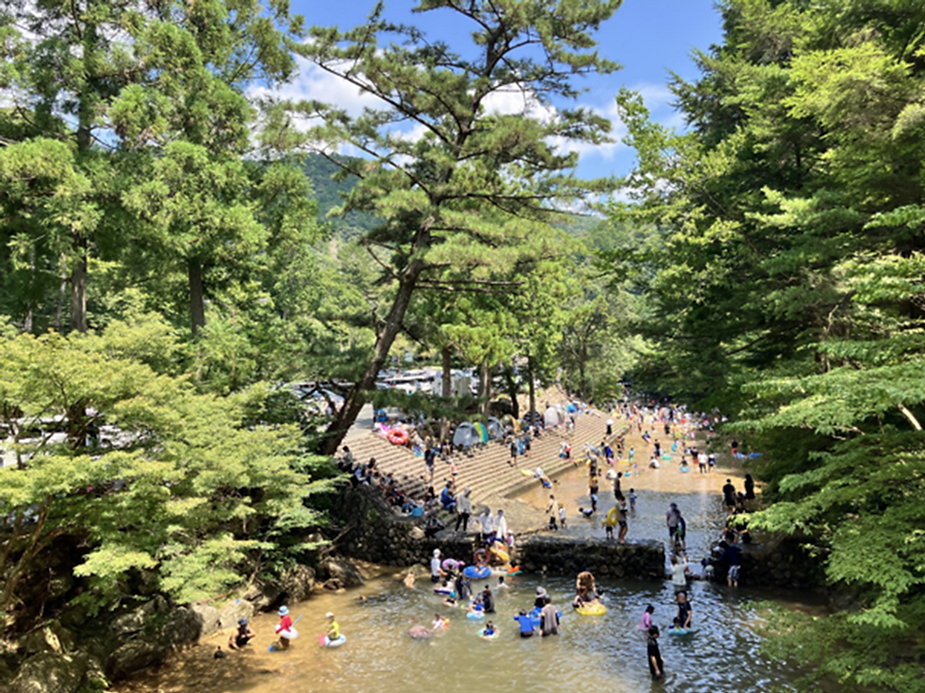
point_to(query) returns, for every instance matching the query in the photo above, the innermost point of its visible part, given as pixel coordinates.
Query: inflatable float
(612, 517)
(682, 631)
(444, 590)
(476, 615)
(500, 553)
(477, 572)
(592, 609)
(396, 436)
(491, 636)
(336, 642)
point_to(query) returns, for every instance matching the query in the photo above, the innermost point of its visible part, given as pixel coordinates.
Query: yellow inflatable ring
(612, 517)
(592, 609)
(501, 553)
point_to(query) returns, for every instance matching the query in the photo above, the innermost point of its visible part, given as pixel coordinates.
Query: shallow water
(605, 653)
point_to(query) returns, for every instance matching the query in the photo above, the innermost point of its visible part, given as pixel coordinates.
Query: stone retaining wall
(374, 533)
(560, 555)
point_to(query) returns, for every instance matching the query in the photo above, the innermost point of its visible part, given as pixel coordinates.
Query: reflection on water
(605, 653)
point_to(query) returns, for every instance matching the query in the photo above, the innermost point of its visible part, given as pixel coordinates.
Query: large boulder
(209, 618)
(297, 583)
(341, 571)
(49, 672)
(49, 638)
(136, 655)
(184, 627)
(231, 612)
(134, 621)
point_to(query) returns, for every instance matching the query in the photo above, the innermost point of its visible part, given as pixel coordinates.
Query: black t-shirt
(429, 457)
(684, 609)
(729, 494)
(652, 651)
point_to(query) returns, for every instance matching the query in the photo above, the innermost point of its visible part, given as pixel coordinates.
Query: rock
(136, 655)
(184, 627)
(134, 621)
(49, 672)
(333, 584)
(40, 640)
(297, 583)
(233, 611)
(208, 618)
(416, 534)
(342, 570)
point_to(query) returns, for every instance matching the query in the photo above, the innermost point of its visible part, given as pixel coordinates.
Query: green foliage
(174, 484)
(788, 291)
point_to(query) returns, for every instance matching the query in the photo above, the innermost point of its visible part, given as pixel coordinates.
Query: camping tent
(551, 417)
(466, 435)
(495, 429)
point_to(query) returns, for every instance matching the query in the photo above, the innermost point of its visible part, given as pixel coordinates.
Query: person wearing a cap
(333, 629)
(285, 623)
(436, 571)
(242, 636)
(463, 510)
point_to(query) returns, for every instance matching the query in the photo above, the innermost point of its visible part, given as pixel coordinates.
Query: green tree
(176, 486)
(459, 187)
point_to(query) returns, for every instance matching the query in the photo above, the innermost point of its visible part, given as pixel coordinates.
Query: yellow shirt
(334, 631)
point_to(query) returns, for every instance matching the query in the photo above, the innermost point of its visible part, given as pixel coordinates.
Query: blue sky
(647, 37)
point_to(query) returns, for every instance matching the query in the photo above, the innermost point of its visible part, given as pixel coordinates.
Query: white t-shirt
(435, 566)
(487, 522)
(501, 524)
(677, 574)
(561, 514)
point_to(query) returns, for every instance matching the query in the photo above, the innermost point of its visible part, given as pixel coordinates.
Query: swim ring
(493, 635)
(477, 572)
(452, 564)
(682, 631)
(396, 436)
(512, 571)
(289, 633)
(337, 642)
(481, 558)
(500, 553)
(444, 590)
(592, 609)
(476, 615)
(526, 472)
(612, 517)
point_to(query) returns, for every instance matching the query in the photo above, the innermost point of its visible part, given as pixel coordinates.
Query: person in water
(488, 600)
(541, 596)
(549, 618)
(527, 629)
(489, 629)
(285, 623)
(586, 589)
(242, 636)
(439, 622)
(656, 663)
(685, 612)
(646, 621)
(333, 627)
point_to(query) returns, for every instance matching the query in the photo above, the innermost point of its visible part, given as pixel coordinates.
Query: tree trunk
(79, 286)
(197, 307)
(356, 398)
(484, 388)
(582, 383)
(512, 391)
(62, 288)
(446, 378)
(532, 388)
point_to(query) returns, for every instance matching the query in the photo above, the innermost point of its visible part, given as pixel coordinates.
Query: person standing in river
(549, 618)
(729, 495)
(653, 655)
(672, 519)
(749, 487)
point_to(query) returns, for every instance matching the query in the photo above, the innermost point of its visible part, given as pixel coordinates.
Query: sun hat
(283, 611)
(242, 621)
(436, 553)
(329, 615)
